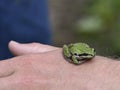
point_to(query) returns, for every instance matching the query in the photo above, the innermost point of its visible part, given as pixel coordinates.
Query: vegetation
(96, 22)
(100, 26)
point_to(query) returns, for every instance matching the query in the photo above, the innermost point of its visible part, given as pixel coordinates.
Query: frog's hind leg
(66, 51)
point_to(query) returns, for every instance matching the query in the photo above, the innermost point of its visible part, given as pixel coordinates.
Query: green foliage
(103, 21)
(90, 24)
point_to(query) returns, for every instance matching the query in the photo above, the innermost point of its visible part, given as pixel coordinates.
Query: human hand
(49, 71)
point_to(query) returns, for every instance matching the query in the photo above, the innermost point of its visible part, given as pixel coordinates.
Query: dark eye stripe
(84, 54)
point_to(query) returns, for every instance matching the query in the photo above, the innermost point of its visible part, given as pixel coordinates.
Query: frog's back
(79, 48)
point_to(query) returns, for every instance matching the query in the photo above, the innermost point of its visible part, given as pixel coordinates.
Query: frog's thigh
(66, 51)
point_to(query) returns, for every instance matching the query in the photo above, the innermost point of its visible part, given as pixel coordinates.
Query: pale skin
(42, 67)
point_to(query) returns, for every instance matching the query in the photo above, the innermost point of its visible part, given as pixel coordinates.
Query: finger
(22, 49)
(6, 68)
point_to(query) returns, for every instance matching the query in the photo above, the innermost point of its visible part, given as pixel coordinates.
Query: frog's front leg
(74, 59)
(66, 51)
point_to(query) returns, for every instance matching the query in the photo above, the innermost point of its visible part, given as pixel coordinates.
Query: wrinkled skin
(38, 68)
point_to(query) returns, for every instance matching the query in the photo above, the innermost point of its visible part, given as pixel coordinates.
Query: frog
(78, 53)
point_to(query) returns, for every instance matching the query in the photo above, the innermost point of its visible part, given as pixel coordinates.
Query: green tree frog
(78, 53)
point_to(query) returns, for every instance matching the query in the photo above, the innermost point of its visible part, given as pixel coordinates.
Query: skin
(78, 53)
(46, 69)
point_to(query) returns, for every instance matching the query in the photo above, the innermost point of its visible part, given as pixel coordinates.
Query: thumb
(22, 49)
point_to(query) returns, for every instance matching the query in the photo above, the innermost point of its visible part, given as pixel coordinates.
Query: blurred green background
(96, 22)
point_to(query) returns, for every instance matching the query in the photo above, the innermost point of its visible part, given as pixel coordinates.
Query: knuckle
(32, 80)
(35, 44)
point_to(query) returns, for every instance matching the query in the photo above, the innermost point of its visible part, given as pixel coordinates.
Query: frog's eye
(75, 54)
(94, 50)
